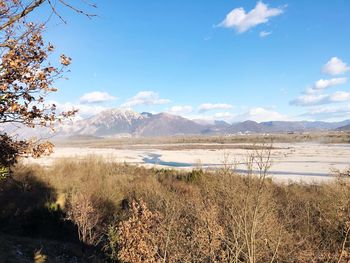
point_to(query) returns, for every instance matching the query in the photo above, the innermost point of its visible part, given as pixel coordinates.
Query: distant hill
(287, 126)
(283, 126)
(246, 126)
(127, 123)
(118, 122)
(164, 124)
(344, 128)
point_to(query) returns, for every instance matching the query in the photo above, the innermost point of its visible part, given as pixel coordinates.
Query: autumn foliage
(27, 77)
(140, 237)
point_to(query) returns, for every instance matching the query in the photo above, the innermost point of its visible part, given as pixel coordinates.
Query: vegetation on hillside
(121, 213)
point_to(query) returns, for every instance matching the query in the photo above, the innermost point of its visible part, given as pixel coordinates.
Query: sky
(229, 60)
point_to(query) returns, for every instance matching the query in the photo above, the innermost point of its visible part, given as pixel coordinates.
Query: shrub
(138, 239)
(157, 215)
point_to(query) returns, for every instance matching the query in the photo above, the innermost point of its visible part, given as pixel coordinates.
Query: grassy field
(122, 213)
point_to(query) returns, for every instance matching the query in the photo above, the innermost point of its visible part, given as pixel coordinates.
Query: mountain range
(117, 123)
(344, 128)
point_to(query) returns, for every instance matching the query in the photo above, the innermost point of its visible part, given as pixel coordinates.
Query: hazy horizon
(199, 119)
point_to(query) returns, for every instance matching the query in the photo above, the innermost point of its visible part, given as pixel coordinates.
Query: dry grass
(199, 216)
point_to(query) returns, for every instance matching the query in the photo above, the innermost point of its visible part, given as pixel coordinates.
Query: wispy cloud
(211, 118)
(314, 95)
(329, 113)
(260, 114)
(96, 97)
(242, 21)
(327, 83)
(335, 66)
(180, 109)
(319, 99)
(84, 110)
(226, 116)
(264, 34)
(145, 98)
(214, 106)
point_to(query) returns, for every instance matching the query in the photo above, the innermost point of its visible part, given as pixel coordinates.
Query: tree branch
(25, 12)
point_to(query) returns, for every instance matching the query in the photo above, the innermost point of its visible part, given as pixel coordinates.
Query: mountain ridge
(117, 122)
(128, 123)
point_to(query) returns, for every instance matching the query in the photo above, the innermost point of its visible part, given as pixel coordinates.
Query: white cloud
(264, 33)
(214, 106)
(145, 98)
(223, 116)
(242, 21)
(96, 97)
(332, 109)
(180, 109)
(329, 113)
(326, 83)
(84, 110)
(319, 99)
(260, 114)
(339, 96)
(211, 118)
(308, 99)
(335, 66)
(313, 96)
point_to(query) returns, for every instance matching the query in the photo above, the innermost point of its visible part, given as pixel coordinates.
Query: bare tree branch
(25, 12)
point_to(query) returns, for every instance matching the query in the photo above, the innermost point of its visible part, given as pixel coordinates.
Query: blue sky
(211, 59)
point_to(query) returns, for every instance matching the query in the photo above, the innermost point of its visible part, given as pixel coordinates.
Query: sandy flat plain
(308, 162)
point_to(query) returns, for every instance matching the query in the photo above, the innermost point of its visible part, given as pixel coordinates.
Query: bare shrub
(140, 237)
(218, 217)
(87, 212)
